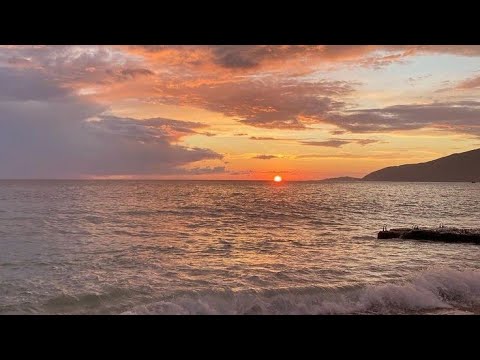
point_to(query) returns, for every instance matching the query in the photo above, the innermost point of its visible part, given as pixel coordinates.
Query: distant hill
(341, 179)
(456, 167)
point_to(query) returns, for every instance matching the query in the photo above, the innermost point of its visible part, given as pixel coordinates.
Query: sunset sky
(233, 112)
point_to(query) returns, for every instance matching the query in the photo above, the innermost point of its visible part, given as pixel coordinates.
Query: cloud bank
(56, 118)
(46, 131)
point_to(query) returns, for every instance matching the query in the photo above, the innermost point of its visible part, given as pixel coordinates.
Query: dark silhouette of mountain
(341, 179)
(456, 167)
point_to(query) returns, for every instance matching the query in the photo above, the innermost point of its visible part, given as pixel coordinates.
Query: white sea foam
(442, 291)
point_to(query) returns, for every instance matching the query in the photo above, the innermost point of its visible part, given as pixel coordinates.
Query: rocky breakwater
(441, 234)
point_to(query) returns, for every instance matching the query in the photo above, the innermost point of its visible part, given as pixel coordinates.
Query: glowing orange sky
(234, 112)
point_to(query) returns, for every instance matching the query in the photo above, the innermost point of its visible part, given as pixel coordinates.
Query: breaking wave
(438, 291)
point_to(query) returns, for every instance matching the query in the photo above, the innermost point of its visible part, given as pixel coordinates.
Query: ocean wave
(363, 237)
(442, 291)
(88, 302)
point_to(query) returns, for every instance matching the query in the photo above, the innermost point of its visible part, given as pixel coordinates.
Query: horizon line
(144, 179)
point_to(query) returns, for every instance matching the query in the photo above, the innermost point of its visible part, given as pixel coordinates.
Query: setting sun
(167, 153)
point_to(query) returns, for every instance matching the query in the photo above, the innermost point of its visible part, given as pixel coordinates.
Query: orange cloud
(471, 83)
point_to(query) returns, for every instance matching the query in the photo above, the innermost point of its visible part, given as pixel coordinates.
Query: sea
(234, 247)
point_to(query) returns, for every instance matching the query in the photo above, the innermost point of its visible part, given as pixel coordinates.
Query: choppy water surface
(200, 247)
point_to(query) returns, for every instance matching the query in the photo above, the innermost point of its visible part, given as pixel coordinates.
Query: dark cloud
(137, 72)
(28, 84)
(252, 56)
(274, 121)
(339, 142)
(45, 126)
(91, 64)
(146, 130)
(327, 143)
(128, 74)
(282, 101)
(54, 140)
(248, 58)
(203, 170)
(462, 116)
(364, 142)
(265, 157)
(94, 65)
(209, 134)
(19, 61)
(292, 103)
(280, 104)
(262, 138)
(236, 56)
(48, 132)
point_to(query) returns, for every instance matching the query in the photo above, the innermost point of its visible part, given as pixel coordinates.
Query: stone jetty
(441, 234)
